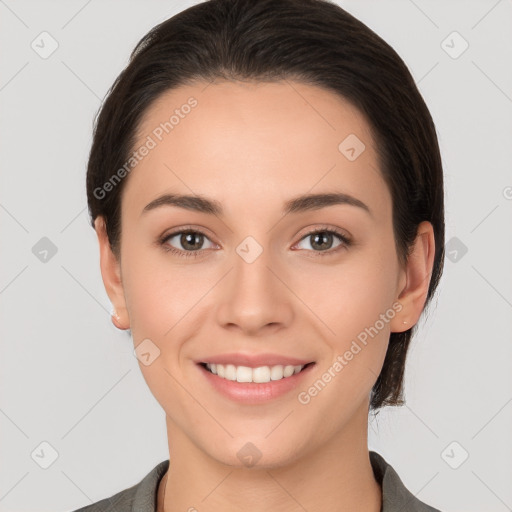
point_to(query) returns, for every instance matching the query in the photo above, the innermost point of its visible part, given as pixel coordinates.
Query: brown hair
(315, 42)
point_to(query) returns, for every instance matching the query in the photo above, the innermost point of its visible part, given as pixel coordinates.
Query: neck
(336, 476)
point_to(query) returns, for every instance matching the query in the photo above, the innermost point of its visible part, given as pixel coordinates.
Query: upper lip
(254, 360)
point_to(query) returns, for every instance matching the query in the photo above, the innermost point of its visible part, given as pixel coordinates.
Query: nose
(254, 296)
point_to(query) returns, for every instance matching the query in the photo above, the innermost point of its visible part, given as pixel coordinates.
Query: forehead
(244, 139)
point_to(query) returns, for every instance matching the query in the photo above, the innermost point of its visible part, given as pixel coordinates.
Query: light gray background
(69, 378)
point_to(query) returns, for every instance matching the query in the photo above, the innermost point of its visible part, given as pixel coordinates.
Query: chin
(256, 454)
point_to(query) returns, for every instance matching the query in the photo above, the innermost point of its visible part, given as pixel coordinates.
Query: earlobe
(111, 275)
(116, 320)
(413, 294)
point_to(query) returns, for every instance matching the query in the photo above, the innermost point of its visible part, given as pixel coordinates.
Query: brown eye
(323, 240)
(190, 242)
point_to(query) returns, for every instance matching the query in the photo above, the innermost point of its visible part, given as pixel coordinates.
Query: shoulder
(395, 496)
(140, 497)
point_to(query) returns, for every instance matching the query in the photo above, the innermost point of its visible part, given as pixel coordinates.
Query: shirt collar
(395, 496)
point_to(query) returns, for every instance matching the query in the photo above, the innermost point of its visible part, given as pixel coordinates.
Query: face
(249, 284)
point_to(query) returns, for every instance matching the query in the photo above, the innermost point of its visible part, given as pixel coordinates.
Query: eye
(190, 240)
(322, 239)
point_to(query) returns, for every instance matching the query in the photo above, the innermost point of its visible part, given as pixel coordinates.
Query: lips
(259, 389)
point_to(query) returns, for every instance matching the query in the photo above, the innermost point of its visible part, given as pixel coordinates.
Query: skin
(252, 146)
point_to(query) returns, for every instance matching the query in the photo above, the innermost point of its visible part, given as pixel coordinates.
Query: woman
(266, 186)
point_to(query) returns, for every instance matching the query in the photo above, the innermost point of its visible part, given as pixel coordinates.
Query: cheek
(355, 309)
(163, 294)
(349, 296)
(147, 291)
(352, 305)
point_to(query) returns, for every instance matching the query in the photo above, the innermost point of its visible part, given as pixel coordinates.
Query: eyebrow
(297, 204)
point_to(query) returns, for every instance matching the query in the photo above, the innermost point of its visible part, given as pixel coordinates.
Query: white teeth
(288, 371)
(243, 374)
(230, 372)
(276, 372)
(260, 374)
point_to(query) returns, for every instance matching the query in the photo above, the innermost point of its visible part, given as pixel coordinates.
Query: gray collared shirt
(141, 497)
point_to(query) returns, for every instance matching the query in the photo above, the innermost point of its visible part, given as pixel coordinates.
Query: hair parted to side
(314, 42)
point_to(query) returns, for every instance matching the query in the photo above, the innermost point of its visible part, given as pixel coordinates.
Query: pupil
(321, 236)
(185, 238)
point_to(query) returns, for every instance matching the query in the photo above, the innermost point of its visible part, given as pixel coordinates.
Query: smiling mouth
(258, 375)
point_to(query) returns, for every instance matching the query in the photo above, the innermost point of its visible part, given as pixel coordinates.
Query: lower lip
(252, 392)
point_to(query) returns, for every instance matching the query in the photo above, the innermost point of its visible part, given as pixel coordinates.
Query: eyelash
(346, 242)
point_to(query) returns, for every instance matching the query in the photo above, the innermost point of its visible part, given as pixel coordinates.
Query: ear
(111, 275)
(414, 280)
